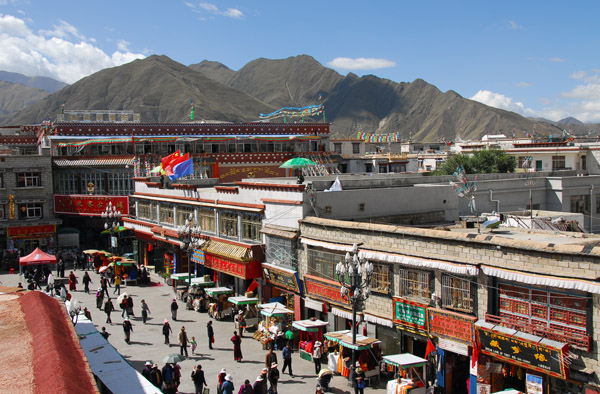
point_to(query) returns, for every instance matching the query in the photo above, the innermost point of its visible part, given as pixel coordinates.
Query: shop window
(166, 215)
(322, 263)
(30, 211)
(537, 311)
(380, 280)
(251, 224)
(416, 284)
(143, 211)
(457, 294)
(206, 219)
(184, 213)
(228, 224)
(29, 179)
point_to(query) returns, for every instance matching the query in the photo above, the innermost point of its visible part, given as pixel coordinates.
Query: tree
(482, 162)
(453, 162)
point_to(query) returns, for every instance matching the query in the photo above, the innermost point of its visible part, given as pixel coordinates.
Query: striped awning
(123, 161)
(234, 252)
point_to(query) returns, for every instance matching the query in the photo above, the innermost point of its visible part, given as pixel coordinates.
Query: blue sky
(537, 58)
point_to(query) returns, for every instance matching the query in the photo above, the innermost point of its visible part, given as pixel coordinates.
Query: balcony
(575, 339)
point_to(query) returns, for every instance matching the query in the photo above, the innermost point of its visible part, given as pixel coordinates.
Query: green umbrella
(298, 162)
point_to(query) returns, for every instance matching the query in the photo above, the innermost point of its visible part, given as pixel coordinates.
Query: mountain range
(161, 89)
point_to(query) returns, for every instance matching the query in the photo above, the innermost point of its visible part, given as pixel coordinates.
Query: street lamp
(189, 235)
(354, 274)
(111, 221)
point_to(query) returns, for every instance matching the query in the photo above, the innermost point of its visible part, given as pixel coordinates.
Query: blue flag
(182, 169)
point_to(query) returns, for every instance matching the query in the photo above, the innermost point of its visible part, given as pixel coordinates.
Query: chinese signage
(324, 289)
(528, 353)
(232, 174)
(197, 256)
(244, 270)
(410, 314)
(282, 278)
(453, 326)
(31, 231)
(89, 205)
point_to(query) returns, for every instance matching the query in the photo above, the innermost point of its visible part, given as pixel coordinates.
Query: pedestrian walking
(237, 347)
(358, 382)
(174, 308)
(117, 285)
(221, 380)
(87, 313)
(270, 359)
(49, 283)
(104, 333)
(166, 330)
(108, 308)
(60, 268)
(156, 376)
(199, 379)
(317, 354)
(273, 378)
(86, 282)
(240, 322)
(145, 311)
(260, 385)
(127, 329)
(123, 306)
(228, 385)
(246, 388)
(130, 306)
(147, 370)
(104, 284)
(99, 298)
(72, 282)
(168, 375)
(193, 345)
(286, 354)
(183, 341)
(211, 334)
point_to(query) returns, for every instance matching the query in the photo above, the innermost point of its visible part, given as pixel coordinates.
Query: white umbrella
(120, 298)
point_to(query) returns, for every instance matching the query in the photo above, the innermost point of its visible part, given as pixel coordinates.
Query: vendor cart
(219, 306)
(275, 322)
(197, 292)
(408, 378)
(250, 307)
(368, 348)
(311, 331)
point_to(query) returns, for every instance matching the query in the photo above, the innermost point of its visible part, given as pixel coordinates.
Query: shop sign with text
(410, 314)
(31, 231)
(89, 205)
(282, 278)
(451, 325)
(244, 270)
(538, 355)
(324, 289)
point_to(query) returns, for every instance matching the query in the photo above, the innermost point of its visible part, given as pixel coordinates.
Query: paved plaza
(147, 341)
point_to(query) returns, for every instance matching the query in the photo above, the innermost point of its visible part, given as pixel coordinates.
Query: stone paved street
(147, 340)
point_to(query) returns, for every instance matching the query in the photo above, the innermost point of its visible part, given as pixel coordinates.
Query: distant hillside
(14, 97)
(157, 87)
(160, 89)
(44, 83)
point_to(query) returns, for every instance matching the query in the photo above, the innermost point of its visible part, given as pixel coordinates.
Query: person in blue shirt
(286, 353)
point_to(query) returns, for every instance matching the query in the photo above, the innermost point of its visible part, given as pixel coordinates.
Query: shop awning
(405, 360)
(344, 338)
(183, 276)
(231, 251)
(309, 325)
(201, 282)
(213, 291)
(241, 300)
(274, 309)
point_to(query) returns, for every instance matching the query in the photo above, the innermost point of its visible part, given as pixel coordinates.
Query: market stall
(368, 356)
(198, 298)
(408, 378)
(219, 306)
(250, 307)
(311, 331)
(180, 286)
(275, 322)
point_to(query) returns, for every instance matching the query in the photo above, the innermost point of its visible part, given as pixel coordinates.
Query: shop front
(412, 323)
(26, 238)
(328, 292)
(284, 286)
(512, 359)
(455, 333)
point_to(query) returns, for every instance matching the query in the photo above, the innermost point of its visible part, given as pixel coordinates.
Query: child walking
(193, 344)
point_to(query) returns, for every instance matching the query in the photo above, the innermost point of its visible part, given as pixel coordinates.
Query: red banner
(81, 204)
(29, 231)
(244, 270)
(324, 289)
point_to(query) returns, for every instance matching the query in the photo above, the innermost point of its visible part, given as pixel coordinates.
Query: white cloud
(579, 75)
(557, 60)
(209, 10)
(513, 25)
(62, 53)
(360, 63)
(524, 84)
(501, 101)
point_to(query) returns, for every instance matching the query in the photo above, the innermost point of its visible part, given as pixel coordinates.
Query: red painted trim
(227, 189)
(271, 186)
(241, 204)
(274, 201)
(177, 198)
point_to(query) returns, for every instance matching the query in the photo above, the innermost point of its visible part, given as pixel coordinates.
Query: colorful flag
(252, 286)
(167, 159)
(430, 348)
(182, 169)
(169, 169)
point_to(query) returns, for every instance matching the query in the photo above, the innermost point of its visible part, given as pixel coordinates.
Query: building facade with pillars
(27, 219)
(501, 308)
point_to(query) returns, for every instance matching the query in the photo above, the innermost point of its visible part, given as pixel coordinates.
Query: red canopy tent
(37, 257)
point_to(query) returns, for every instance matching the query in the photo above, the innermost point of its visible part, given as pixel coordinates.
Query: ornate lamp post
(354, 274)
(189, 235)
(111, 221)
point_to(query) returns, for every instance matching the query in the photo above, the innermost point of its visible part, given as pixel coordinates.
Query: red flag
(215, 277)
(252, 286)
(180, 159)
(132, 143)
(430, 348)
(167, 159)
(475, 355)
(324, 308)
